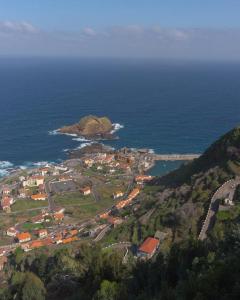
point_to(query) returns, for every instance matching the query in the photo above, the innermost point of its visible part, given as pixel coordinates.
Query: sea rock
(91, 127)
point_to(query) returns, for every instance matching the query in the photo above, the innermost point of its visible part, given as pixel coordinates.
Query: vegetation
(24, 204)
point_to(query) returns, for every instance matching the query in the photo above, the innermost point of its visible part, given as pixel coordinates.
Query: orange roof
(39, 196)
(23, 236)
(85, 189)
(143, 177)
(47, 242)
(74, 232)
(104, 215)
(36, 244)
(69, 240)
(58, 216)
(38, 177)
(149, 245)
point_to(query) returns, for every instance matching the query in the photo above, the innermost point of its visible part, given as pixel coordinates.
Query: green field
(24, 204)
(31, 226)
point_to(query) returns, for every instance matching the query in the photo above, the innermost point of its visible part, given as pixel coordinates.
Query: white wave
(151, 151)
(5, 164)
(30, 164)
(5, 168)
(66, 150)
(4, 173)
(57, 132)
(54, 132)
(116, 127)
(83, 145)
(81, 139)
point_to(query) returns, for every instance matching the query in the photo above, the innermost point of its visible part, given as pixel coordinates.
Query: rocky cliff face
(91, 127)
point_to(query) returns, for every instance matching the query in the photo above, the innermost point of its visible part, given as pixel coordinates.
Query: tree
(33, 288)
(108, 291)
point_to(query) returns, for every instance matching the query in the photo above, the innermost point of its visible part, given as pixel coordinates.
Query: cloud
(18, 38)
(89, 31)
(17, 27)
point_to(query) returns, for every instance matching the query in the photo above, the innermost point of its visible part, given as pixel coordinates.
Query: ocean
(170, 107)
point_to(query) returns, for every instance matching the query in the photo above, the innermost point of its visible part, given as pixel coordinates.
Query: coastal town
(79, 199)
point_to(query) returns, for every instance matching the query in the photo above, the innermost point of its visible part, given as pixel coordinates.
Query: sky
(194, 29)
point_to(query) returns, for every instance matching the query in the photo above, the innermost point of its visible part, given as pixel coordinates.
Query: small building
(117, 194)
(12, 232)
(58, 216)
(23, 193)
(6, 190)
(63, 178)
(140, 179)
(42, 233)
(35, 244)
(35, 180)
(85, 190)
(44, 171)
(73, 232)
(104, 215)
(22, 178)
(39, 197)
(23, 237)
(3, 261)
(115, 221)
(148, 248)
(88, 162)
(6, 203)
(58, 239)
(38, 219)
(59, 210)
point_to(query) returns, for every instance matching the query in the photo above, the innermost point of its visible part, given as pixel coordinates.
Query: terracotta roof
(39, 196)
(149, 245)
(37, 177)
(73, 232)
(6, 201)
(58, 216)
(36, 244)
(23, 236)
(69, 240)
(85, 189)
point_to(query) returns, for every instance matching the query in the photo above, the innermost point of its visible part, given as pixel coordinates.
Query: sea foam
(116, 127)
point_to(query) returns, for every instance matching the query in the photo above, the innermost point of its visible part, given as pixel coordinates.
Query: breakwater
(175, 157)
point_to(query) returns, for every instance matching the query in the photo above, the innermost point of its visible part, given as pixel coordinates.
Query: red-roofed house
(24, 237)
(39, 197)
(148, 248)
(85, 190)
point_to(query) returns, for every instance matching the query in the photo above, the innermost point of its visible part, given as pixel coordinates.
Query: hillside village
(41, 200)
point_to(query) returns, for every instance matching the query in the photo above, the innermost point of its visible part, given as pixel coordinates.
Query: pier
(175, 157)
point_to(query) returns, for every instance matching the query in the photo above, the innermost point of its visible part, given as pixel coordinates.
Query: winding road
(225, 191)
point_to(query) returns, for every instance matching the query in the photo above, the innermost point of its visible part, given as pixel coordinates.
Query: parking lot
(58, 187)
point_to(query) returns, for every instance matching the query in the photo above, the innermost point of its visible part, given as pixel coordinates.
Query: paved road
(225, 191)
(119, 245)
(102, 233)
(51, 202)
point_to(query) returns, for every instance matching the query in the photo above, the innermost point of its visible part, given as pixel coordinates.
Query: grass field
(31, 226)
(24, 204)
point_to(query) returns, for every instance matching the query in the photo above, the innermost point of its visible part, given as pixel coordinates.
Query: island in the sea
(91, 127)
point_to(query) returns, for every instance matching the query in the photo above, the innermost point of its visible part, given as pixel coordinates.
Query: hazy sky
(195, 29)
